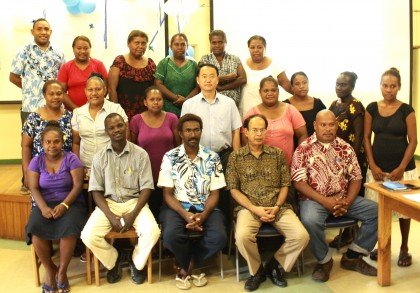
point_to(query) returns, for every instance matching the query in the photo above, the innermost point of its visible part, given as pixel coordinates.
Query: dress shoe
(137, 276)
(114, 274)
(358, 265)
(253, 282)
(275, 273)
(321, 272)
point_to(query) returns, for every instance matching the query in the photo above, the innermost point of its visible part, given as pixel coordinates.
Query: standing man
(221, 122)
(231, 72)
(258, 179)
(121, 182)
(191, 176)
(36, 63)
(327, 176)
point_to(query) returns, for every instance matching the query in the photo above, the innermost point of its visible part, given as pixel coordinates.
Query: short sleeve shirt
(328, 169)
(36, 66)
(192, 180)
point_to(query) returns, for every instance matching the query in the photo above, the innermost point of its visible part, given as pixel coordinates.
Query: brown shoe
(321, 272)
(358, 265)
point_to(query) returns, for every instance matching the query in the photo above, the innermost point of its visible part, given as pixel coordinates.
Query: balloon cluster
(76, 7)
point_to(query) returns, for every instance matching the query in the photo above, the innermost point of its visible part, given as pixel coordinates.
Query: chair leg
(149, 268)
(339, 239)
(36, 264)
(237, 263)
(96, 269)
(88, 267)
(160, 259)
(230, 242)
(221, 264)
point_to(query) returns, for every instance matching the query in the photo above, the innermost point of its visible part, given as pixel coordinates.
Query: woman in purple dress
(155, 131)
(55, 180)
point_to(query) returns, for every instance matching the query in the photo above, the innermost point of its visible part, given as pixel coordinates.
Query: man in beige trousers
(258, 179)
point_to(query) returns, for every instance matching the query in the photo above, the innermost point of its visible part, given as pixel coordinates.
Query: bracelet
(64, 204)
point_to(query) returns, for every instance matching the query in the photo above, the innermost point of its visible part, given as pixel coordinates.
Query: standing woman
(284, 120)
(155, 131)
(391, 156)
(89, 135)
(74, 74)
(258, 66)
(55, 181)
(36, 122)
(350, 115)
(306, 105)
(131, 74)
(176, 76)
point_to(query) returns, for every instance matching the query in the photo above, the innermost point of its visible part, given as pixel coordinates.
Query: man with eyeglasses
(191, 176)
(258, 178)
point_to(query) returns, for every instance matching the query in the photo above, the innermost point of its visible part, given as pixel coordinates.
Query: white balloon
(181, 7)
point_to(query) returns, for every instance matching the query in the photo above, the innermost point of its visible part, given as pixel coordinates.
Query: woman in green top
(176, 76)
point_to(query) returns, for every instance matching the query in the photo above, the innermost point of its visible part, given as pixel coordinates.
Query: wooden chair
(111, 236)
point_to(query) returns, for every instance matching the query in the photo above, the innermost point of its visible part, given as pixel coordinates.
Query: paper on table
(413, 196)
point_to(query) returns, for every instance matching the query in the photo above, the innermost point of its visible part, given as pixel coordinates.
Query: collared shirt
(220, 118)
(229, 65)
(92, 131)
(36, 66)
(328, 169)
(259, 179)
(121, 176)
(192, 180)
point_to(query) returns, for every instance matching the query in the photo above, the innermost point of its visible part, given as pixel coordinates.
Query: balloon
(87, 6)
(171, 53)
(73, 9)
(190, 51)
(71, 2)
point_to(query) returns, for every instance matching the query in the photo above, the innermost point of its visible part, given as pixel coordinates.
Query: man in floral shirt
(327, 177)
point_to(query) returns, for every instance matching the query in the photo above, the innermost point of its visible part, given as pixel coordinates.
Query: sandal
(404, 259)
(374, 254)
(199, 280)
(183, 284)
(47, 289)
(63, 287)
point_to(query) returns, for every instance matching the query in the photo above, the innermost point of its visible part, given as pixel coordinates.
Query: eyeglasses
(258, 130)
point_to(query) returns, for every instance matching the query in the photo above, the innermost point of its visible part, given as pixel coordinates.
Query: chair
(340, 222)
(111, 236)
(192, 236)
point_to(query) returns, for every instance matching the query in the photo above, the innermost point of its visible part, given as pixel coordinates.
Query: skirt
(373, 195)
(70, 224)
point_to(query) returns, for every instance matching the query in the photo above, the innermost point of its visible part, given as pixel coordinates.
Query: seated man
(191, 176)
(258, 179)
(121, 182)
(327, 177)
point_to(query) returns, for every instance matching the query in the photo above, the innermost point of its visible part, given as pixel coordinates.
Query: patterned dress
(132, 84)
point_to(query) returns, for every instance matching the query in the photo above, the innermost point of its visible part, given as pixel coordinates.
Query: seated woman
(155, 131)
(36, 122)
(74, 74)
(55, 180)
(88, 122)
(176, 76)
(284, 121)
(306, 105)
(131, 74)
(258, 66)
(391, 156)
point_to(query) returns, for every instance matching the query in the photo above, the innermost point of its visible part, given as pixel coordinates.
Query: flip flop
(199, 280)
(63, 287)
(48, 289)
(183, 284)
(404, 259)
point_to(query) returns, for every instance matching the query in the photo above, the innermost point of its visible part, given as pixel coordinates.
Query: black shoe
(137, 276)
(253, 282)
(275, 273)
(114, 274)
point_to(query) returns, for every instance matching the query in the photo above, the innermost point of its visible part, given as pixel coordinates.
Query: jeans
(313, 216)
(176, 237)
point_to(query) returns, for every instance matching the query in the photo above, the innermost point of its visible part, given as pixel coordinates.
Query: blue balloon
(73, 9)
(71, 2)
(87, 6)
(190, 52)
(171, 53)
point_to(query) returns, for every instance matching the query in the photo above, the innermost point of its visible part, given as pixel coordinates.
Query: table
(389, 201)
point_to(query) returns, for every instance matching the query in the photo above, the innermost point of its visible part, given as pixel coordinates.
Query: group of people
(175, 140)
